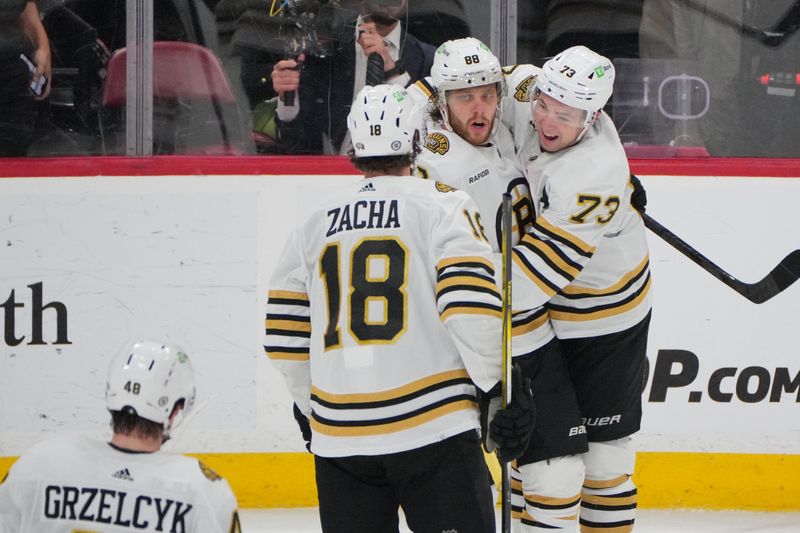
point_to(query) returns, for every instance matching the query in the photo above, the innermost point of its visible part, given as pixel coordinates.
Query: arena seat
(194, 108)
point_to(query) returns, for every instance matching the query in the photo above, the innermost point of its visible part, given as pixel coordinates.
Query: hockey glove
(639, 195)
(305, 427)
(511, 428)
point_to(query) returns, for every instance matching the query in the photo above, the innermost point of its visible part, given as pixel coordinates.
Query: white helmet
(384, 121)
(579, 78)
(151, 377)
(464, 63)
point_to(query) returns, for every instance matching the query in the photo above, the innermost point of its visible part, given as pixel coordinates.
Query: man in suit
(323, 86)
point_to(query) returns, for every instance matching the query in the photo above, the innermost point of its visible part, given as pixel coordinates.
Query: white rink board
(187, 259)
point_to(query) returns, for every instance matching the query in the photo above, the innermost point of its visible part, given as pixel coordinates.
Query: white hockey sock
(608, 505)
(552, 494)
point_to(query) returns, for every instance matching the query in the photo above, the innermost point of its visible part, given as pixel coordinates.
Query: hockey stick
(773, 36)
(505, 380)
(781, 277)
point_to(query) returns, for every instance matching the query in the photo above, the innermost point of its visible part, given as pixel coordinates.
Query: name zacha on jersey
(364, 214)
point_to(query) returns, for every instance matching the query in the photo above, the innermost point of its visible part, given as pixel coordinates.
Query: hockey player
(383, 316)
(469, 148)
(79, 484)
(586, 257)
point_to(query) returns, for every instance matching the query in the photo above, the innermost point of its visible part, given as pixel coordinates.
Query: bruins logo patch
(521, 91)
(438, 143)
(443, 187)
(210, 474)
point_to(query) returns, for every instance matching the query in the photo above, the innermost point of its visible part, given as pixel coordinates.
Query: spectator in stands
(24, 63)
(322, 87)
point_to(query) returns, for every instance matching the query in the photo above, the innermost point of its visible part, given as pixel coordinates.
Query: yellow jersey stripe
(289, 295)
(466, 310)
(604, 484)
(576, 241)
(457, 261)
(530, 326)
(393, 427)
(291, 325)
(287, 356)
(389, 394)
(577, 289)
(562, 267)
(534, 277)
(465, 280)
(568, 316)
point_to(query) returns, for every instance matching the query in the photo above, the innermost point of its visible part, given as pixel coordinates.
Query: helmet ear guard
(150, 378)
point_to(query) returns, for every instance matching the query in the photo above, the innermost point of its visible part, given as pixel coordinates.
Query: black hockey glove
(508, 430)
(639, 196)
(305, 427)
(511, 428)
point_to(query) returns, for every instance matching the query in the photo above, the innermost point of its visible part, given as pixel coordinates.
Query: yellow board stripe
(393, 427)
(389, 394)
(666, 480)
(577, 289)
(291, 295)
(292, 325)
(580, 317)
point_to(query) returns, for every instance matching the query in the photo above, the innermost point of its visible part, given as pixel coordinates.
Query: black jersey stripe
(391, 401)
(472, 288)
(470, 273)
(392, 419)
(288, 333)
(556, 310)
(289, 301)
(294, 318)
(629, 280)
(540, 225)
(544, 284)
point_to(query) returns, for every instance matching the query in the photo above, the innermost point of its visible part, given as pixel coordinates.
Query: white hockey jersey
(486, 173)
(587, 253)
(81, 484)
(382, 312)
(516, 106)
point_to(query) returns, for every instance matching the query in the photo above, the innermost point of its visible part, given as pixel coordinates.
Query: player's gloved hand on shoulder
(639, 196)
(305, 426)
(508, 430)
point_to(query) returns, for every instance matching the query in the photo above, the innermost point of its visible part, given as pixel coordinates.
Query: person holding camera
(24, 74)
(316, 91)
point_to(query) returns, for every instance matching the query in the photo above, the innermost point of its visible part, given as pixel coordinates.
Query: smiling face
(472, 112)
(557, 124)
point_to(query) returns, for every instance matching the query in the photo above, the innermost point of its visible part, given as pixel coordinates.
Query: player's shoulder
(195, 470)
(56, 450)
(519, 79)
